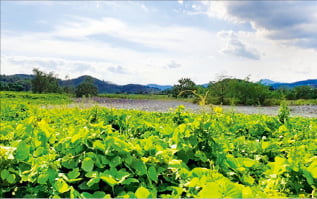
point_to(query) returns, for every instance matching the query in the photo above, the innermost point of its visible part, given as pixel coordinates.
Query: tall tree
(184, 84)
(44, 83)
(86, 88)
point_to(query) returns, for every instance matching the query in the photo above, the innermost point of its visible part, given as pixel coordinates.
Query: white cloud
(118, 69)
(289, 22)
(71, 49)
(173, 38)
(71, 42)
(235, 46)
(173, 64)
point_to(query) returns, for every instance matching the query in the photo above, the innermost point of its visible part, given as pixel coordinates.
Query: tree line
(226, 90)
(48, 83)
(229, 91)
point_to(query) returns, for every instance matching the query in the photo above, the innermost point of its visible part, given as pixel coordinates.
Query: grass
(301, 102)
(31, 98)
(141, 96)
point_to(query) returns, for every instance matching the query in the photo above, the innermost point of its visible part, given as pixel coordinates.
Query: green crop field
(101, 153)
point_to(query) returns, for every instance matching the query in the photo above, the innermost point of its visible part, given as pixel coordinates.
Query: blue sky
(161, 41)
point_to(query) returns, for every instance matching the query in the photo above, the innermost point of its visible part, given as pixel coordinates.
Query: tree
(86, 88)
(185, 84)
(44, 83)
(238, 91)
(68, 87)
(304, 92)
(219, 89)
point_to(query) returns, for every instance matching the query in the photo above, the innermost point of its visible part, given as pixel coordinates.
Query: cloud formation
(292, 22)
(117, 69)
(173, 64)
(236, 47)
(105, 38)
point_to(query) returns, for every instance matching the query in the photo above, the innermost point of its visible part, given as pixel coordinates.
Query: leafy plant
(106, 153)
(284, 113)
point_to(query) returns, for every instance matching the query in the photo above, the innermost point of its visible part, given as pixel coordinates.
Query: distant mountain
(165, 87)
(108, 87)
(268, 82)
(160, 87)
(204, 85)
(103, 86)
(309, 82)
(23, 76)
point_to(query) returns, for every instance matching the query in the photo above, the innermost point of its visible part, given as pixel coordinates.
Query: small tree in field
(86, 88)
(44, 83)
(185, 84)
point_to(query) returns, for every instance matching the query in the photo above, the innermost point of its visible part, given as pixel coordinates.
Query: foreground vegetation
(99, 152)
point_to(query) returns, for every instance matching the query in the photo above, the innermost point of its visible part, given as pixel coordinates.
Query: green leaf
(74, 193)
(193, 182)
(74, 180)
(152, 173)
(99, 145)
(84, 186)
(39, 151)
(61, 186)
(248, 179)
(247, 162)
(92, 174)
(175, 163)
(87, 164)
(99, 194)
(139, 167)
(201, 155)
(142, 192)
(211, 190)
(22, 151)
(129, 181)
(11, 178)
(42, 179)
(232, 191)
(73, 174)
(93, 181)
(232, 162)
(109, 180)
(51, 173)
(313, 169)
(4, 174)
(87, 195)
(115, 161)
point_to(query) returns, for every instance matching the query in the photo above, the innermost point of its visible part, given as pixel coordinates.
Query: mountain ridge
(109, 87)
(308, 82)
(102, 86)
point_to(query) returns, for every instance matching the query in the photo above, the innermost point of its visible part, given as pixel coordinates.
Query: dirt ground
(166, 105)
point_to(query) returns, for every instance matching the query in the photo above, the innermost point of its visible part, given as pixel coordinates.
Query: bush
(86, 88)
(271, 102)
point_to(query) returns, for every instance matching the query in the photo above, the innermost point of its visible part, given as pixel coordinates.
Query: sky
(161, 41)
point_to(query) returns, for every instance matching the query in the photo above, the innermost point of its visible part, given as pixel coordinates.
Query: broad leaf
(61, 186)
(87, 164)
(142, 192)
(22, 151)
(152, 173)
